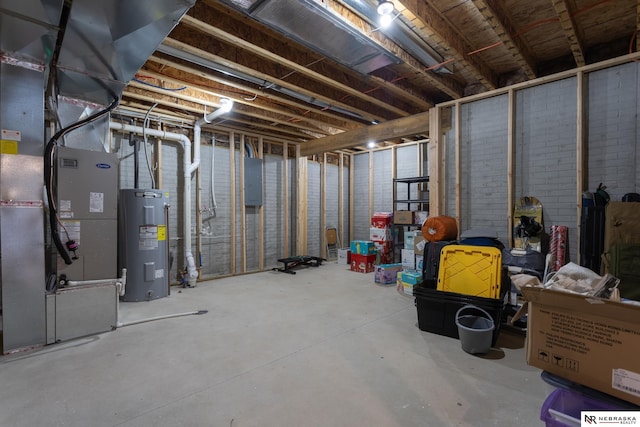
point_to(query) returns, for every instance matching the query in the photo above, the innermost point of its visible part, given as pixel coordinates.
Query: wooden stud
(352, 207)
(341, 197)
(458, 142)
(370, 183)
(243, 208)
(511, 162)
(581, 148)
(435, 167)
(301, 208)
(232, 201)
(323, 206)
(285, 197)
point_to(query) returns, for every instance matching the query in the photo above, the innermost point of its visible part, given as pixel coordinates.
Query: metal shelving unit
(410, 203)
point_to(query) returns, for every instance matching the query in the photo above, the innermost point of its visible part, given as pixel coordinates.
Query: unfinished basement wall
(525, 141)
(273, 207)
(613, 132)
(314, 209)
(382, 181)
(409, 159)
(361, 214)
(331, 208)
(483, 163)
(546, 153)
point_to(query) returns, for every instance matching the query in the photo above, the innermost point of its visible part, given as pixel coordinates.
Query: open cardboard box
(588, 340)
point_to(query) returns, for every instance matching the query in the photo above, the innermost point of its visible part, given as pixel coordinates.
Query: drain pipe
(225, 107)
(188, 168)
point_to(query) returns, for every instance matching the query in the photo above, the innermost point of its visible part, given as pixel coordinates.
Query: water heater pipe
(189, 167)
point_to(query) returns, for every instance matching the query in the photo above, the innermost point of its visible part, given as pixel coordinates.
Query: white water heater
(143, 243)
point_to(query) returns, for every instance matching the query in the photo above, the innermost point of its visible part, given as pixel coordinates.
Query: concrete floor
(324, 347)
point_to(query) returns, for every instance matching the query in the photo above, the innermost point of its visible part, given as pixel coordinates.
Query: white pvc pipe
(188, 167)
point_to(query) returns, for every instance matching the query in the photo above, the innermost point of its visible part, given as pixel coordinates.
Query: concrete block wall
(344, 233)
(407, 167)
(449, 148)
(361, 217)
(383, 181)
(273, 210)
(331, 195)
(293, 204)
(314, 209)
(483, 158)
(613, 132)
(546, 153)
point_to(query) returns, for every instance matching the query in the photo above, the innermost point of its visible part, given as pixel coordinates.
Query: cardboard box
(419, 243)
(380, 235)
(412, 277)
(408, 259)
(344, 256)
(403, 217)
(407, 288)
(363, 263)
(409, 238)
(386, 274)
(587, 340)
(382, 219)
(399, 284)
(362, 247)
(420, 216)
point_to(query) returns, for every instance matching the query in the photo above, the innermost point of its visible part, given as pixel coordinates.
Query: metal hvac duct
(106, 42)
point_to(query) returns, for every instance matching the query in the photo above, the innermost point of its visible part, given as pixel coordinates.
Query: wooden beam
(243, 208)
(581, 149)
(301, 208)
(215, 59)
(405, 126)
(323, 206)
(497, 17)
(511, 164)
(213, 97)
(176, 69)
(551, 78)
(446, 39)
(565, 13)
(435, 162)
(232, 201)
(341, 198)
(457, 154)
(261, 210)
(285, 198)
(260, 52)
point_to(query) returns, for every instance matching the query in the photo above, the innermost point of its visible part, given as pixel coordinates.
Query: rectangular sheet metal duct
(319, 29)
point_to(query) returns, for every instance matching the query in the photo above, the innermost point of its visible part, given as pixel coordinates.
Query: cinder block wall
(361, 217)
(613, 132)
(545, 149)
(483, 160)
(314, 209)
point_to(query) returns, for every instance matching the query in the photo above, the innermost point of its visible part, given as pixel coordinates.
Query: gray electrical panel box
(87, 205)
(143, 244)
(252, 181)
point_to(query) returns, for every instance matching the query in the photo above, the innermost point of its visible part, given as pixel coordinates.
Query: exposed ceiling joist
(429, 21)
(565, 13)
(493, 11)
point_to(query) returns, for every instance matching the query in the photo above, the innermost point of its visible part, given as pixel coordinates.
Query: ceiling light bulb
(385, 7)
(226, 104)
(385, 20)
(371, 144)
